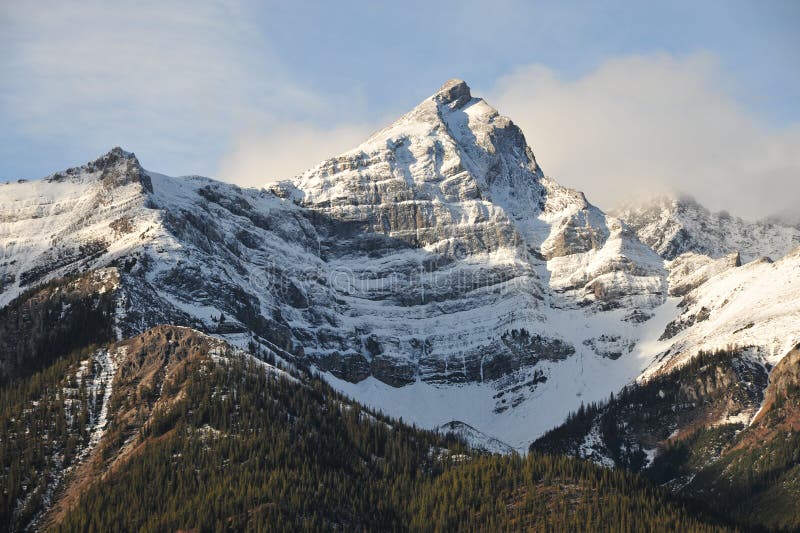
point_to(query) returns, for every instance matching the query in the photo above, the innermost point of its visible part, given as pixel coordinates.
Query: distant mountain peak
(114, 158)
(676, 223)
(118, 152)
(114, 168)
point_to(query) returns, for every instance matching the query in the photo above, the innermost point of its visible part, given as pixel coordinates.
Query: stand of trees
(247, 450)
(230, 446)
(43, 424)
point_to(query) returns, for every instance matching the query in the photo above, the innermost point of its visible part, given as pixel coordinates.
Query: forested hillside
(687, 430)
(201, 436)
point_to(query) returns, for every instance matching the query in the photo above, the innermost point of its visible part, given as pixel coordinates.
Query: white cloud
(645, 124)
(286, 151)
(170, 78)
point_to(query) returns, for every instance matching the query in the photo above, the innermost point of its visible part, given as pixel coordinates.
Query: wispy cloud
(165, 77)
(258, 159)
(643, 124)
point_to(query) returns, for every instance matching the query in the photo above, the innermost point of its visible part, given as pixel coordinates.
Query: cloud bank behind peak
(649, 123)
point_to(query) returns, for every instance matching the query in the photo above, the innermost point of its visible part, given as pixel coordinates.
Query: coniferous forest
(222, 444)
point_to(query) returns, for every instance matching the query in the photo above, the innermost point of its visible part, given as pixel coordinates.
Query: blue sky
(399, 50)
(611, 95)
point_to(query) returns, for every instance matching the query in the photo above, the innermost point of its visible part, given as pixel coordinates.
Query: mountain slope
(177, 430)
(712, 430)
(755, 306)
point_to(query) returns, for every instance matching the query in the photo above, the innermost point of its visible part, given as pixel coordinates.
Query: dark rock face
(349, 367)
(528, 349)
(391, 372)
(114, 169)
(683, 322)
(454, 92)
(610, 346)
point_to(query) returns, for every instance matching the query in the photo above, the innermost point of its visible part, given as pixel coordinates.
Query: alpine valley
(372, 343)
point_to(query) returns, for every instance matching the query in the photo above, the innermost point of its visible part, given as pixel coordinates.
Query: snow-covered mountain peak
(73, 220)
(676, 224)
(450, 149)
(114, 158)
(433, 271)
(115, 168)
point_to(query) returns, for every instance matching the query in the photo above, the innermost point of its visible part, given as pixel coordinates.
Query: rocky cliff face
(459, 225)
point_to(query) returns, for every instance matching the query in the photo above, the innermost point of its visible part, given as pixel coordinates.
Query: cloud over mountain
(640, 123)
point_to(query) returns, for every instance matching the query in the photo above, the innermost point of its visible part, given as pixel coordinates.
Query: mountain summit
(450, 147)
(454, 92)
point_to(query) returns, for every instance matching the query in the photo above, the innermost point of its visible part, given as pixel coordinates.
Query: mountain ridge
(673, 225)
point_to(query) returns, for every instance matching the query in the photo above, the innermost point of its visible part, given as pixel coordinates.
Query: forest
(228, 446)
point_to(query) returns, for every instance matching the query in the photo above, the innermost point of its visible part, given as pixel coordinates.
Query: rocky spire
(454, 92)
(114, 168)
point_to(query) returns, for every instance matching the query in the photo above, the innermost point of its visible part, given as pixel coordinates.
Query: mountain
(674, 225)
(433, 276)
(433, 272)
(468, 266)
